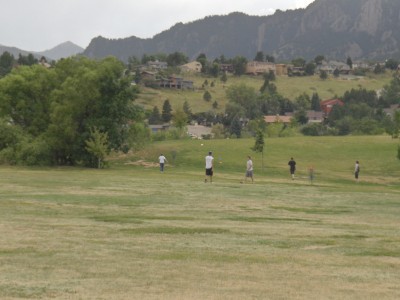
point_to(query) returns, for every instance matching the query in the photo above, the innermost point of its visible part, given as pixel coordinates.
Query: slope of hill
(61, 51)
(15, 51)
(362, 29)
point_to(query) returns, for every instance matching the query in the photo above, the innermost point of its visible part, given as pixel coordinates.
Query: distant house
(327, 105)
(157, 65)
(331, 66)
(392, 110)
(44, 63)
(259, 67)
(295, 71)
(315, 116)
(148, 75)
(270, 119)
(157, 128)
(174, 82)
(193, 66)
(226, 68)
(281, 69)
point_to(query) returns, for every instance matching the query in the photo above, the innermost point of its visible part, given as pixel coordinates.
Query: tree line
(71, 114)
(79, 110)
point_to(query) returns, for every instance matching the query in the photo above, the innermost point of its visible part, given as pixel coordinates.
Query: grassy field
(290, 87)
(131, 232)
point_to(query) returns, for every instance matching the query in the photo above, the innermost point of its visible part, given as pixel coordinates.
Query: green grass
(289, 87)
(130, 232)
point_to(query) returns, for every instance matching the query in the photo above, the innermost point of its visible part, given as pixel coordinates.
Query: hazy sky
(38, 25)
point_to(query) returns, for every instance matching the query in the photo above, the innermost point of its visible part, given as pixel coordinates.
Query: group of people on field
(209, 160)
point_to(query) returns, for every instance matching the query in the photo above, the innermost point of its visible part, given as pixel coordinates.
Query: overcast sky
(37, 25)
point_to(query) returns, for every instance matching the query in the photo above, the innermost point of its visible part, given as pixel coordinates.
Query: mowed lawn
(131, 232)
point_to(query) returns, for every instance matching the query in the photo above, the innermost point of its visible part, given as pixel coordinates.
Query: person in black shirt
(292, 165)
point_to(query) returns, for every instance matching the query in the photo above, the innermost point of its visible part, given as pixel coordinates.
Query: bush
(171, 134)
(34, 153)
(17, 148)
(139, 136)
(314, 129)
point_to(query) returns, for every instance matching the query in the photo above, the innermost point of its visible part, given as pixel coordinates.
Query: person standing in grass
(249, 169)
(292, 167)
(311, 174)
(356, 170)
(209, 166)
(162, 159)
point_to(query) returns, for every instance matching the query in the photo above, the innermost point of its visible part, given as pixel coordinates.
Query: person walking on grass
(162, 159)
(356, 170)
(249, 169)
(292, 167)
(209, 166)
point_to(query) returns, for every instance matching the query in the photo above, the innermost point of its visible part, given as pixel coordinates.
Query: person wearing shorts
(249, 169)
(209, 166)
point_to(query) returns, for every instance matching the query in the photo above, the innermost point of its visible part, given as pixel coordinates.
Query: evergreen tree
(336, 73)
(259, 56)
(207, 96)
(315, 102)
(309, 68)
(188, 111)
(323, 75)
(269, 58)
(155, 117)
(166, 114)
(236, 127)
(28, 60)
(259, 145)
(202, 58)
(6, 63)
(319, 59)
(349, 62)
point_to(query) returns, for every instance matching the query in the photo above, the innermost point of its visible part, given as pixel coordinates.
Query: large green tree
(246, 97)
(60, 106)
(239, 65)
(25, 98)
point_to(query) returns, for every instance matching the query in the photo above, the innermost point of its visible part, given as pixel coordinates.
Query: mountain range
(337, 29)
(61, 51)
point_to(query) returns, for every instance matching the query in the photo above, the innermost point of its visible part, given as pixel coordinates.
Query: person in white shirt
(209, 166)
(357, 170)
(249, 169)
(162, 159)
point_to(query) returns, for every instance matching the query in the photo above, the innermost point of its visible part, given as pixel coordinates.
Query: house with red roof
(327, 105)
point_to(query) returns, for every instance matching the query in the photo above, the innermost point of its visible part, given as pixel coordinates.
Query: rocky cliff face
(362, 29)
